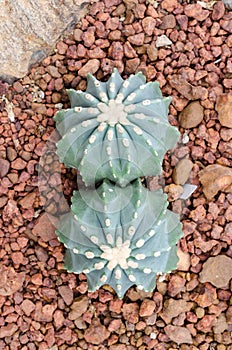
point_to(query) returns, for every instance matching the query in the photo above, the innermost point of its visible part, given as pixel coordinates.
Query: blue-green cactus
(120, 236)
(116, 129)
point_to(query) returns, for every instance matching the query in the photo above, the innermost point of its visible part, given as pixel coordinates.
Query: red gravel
(42, 306)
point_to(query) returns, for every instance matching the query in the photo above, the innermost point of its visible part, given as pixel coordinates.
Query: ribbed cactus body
(120, 236)
(117, 130)
(119, 233)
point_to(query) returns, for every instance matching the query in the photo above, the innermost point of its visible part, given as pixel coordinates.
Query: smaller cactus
(120, 236)
(116, 129)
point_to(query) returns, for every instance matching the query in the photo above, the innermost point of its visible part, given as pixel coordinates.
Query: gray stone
(30, 29)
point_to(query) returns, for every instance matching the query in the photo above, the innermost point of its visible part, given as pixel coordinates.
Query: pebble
(218, 11)
(78, 307)
(174, 192)
(4, 167)
(192, 115)
(8, 331)
(147, 308)
(11, 281)
(27, 306)
(67, 294)
(44, 228)
(184, 260)
(169, 5)
(173, 308)
(163, 40)
(131, 312)
(223, 107)
(215, 178)
(90, 67)
(176, 285)
(96, 333)
(137, 39)
(149, 24)
(182, 171)
(178, 334)
(168, 22)
(217, 270)
(196, 11)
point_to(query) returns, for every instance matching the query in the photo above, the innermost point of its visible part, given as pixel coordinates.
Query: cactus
(120, 236)
(116, 129)
(119, 233)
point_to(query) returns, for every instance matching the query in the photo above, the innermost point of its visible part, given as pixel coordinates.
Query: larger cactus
(120, 236)
(116, 129)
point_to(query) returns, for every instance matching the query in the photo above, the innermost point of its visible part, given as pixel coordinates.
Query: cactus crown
(111, 125)
(120, 233)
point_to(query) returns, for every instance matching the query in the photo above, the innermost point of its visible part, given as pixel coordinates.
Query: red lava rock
(136, 39)
(147, 308)
(179, 335)
(114, 325)
(227, 25)
(89, 37)
(12, 214)
(27, 201)
(4, 167)
(152, 52)
(27, 306)
(198, 214)
(215, 178)
(207, 296)
(67, 294)
(44, 227)
(17, 258)
(116, 50)
(168, 22)
(176, 285)
(116, 306)
(173, 308)
(149, 24)
(169, 5)
(39, 108)
(18, 164)
(186, 89)
(90, 67)
(10, 281)
(131, 312)
(58, 319)
(223, 107)
(217, 270)
(8, 330)
(3, 201)
(96, 333)
(43, 313)
(206, 323)
(78, 307)
(132, 65)
(218, 11)
(196, 11)
(129, 51)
